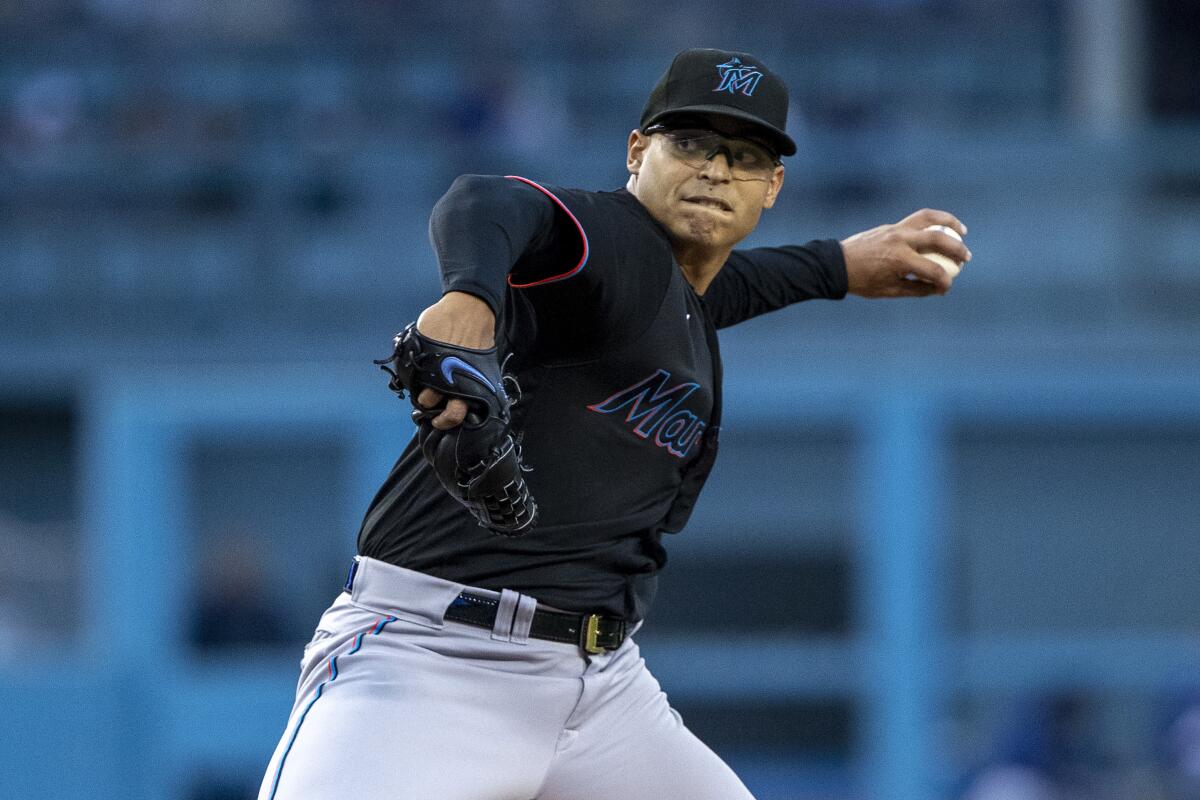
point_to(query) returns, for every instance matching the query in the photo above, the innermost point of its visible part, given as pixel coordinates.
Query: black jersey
(619, 371)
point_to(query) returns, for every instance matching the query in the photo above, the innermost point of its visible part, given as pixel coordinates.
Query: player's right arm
(464, 320)
(479, 230)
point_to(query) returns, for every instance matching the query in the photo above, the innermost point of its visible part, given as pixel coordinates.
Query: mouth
(709, 202)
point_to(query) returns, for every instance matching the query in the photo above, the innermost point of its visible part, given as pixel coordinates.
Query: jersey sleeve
(488, 230)
(758, 280)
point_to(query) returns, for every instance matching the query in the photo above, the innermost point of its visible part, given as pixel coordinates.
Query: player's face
(710, 203)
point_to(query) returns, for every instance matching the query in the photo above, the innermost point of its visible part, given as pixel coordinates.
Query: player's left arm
(884, 261)
(762, 279)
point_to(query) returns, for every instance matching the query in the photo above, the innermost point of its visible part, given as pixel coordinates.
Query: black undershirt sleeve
(484, 225)
(762, 279)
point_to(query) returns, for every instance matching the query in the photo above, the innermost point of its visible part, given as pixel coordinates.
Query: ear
(635, 151)
(774, 187)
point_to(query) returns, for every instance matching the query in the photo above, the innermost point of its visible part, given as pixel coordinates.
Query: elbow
(471, 194)
(475, 183)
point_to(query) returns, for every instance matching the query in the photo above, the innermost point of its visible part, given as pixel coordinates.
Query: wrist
(460, 319)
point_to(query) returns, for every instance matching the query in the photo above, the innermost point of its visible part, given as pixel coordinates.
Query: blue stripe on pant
(374, 630)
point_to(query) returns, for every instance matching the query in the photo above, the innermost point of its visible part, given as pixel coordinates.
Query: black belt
(592, 632)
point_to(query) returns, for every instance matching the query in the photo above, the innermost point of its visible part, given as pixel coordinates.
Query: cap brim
(785, 145)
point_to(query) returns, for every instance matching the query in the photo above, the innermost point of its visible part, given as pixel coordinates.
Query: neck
(699, 265)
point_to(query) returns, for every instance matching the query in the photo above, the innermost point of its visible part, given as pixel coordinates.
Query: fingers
(452, 415)
(927, 271)
(428, 398)
(932, 216)
(924, 241)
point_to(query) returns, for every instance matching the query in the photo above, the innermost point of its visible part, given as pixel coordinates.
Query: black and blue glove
(479, 461)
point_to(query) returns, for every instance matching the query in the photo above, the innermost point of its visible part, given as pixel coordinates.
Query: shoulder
(612, 220)
(570, 199)
(619, 203)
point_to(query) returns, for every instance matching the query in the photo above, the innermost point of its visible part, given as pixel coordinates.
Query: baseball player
(567, 394)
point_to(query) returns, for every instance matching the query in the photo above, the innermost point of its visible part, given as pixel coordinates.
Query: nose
(718, 168)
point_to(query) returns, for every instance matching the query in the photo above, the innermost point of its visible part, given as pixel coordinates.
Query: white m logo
(736, 77)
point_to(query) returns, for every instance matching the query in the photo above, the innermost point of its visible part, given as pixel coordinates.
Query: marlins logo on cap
(736, 77)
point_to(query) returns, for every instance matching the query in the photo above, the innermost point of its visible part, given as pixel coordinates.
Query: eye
(693, 142)
(749, 156)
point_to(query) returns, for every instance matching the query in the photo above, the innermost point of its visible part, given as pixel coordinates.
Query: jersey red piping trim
(582, 235)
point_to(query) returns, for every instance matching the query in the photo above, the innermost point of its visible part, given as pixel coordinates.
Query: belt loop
(349, 587)
(523, 620)
(502, 629)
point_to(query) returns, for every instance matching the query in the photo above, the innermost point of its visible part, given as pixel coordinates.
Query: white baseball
(951, 266)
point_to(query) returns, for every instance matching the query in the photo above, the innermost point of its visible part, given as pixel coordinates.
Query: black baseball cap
(723, 83)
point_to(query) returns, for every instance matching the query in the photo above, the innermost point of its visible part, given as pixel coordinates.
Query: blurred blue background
(951, 554)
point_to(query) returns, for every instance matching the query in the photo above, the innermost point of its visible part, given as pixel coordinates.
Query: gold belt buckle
(590, 632)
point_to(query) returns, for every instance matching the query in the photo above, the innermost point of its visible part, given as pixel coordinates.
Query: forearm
(793, 273)
(764, 279)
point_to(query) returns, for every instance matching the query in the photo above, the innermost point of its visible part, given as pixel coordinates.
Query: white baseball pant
(394, 703)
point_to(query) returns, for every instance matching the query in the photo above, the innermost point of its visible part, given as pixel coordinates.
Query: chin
(698, 229)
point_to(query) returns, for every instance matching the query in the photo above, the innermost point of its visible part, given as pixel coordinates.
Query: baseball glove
(479, 461)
